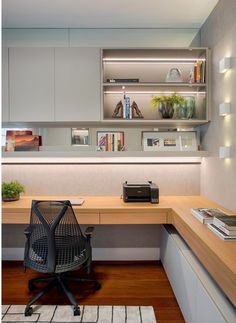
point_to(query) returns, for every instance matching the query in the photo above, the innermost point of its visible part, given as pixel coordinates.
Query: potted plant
(166, 104)
(11, 191)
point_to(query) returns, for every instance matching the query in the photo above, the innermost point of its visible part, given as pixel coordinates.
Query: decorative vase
(11, 199)
(174, 75)
(166, 110)
(190, 105)
(186, 110)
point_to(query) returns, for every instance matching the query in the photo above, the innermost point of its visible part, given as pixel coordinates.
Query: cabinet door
(182, 278)
(5, 98)
(207, 311)
(31, 72)
(77, 84)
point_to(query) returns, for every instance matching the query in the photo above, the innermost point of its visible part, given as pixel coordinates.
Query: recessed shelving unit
(146, 71)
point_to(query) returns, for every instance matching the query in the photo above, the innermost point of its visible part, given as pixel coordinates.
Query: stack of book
(224, 226)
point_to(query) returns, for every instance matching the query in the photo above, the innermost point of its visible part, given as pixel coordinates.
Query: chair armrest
(27, 231)
(88, 232)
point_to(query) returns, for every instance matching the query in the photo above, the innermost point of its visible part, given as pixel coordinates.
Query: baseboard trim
(99, 254)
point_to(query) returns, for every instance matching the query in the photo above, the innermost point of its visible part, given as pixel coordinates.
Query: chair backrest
(55, 237)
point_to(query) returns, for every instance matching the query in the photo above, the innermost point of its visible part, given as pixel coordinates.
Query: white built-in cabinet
(53, 84)
(5, 79)
(77, 84)
(200, 299)
(31, 75)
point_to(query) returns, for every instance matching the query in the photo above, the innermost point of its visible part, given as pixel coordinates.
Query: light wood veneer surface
(218, 256)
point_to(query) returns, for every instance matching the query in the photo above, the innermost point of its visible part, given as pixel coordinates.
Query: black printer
(148, 192)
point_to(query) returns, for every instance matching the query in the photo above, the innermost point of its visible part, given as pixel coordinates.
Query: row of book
(111, 141)
(22, 140)
(199, 72)
(127, 109)
(219, 222)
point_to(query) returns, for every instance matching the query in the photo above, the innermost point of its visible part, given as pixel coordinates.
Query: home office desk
(217, 256)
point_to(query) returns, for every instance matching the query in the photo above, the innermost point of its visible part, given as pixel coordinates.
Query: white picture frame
(79, 136)
(169, 141)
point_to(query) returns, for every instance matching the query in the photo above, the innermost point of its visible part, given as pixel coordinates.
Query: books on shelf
(199, 72)
(127, 110)
(223, 235)
(206, 215)
(110, 141)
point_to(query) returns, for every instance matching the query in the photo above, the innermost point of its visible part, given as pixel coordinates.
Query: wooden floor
(122, 284)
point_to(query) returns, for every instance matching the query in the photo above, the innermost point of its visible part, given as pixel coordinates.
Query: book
(220, 233)
(205, 215)
(226, 221)
(134, 80)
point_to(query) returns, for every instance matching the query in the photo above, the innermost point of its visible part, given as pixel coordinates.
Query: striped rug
(89, 314)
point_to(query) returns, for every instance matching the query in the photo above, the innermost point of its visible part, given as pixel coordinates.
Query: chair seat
(70, 254)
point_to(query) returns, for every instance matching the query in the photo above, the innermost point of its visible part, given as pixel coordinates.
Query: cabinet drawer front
(87, 218)
(15, 218)
(133, 218)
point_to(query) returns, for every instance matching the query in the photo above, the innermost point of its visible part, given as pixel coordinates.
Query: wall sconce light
(224, 152)
(224, 109)
(225, 64)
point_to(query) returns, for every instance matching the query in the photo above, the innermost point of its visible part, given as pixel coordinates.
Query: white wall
(103, 179)
(218, 177)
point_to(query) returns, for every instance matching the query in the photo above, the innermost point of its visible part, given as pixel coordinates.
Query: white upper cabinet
(77, 84)
(31, 73)
(5, 92)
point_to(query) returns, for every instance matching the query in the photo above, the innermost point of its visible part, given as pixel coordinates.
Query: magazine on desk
(227, 221)
(206, 215)
(220, 233)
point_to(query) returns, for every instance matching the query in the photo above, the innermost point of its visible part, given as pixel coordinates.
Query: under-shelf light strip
(152, 92)
(152, 60)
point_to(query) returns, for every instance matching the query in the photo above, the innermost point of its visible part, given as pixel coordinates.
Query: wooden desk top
(218, 256)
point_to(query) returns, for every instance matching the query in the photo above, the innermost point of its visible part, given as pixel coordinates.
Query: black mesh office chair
(55, 244)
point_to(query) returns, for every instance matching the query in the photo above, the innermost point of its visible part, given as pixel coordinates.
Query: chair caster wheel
(31, 286)
(97, 286)
(28, 311)
(76, 311)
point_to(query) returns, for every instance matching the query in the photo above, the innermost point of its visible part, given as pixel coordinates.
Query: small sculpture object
(118, 112)
(136, 111)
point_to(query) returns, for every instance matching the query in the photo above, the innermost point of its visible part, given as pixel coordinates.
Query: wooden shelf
(173, 123)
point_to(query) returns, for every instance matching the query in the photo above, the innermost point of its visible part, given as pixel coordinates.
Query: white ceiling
(105, 13)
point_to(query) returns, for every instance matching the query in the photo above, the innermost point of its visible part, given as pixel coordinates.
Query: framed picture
(169, 141)
(79, 136)
(110, 140)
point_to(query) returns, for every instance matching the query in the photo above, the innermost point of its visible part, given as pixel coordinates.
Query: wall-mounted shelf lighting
(224, 152)
(224, 64)
(153, 92)
(150, 59)
(224, 109)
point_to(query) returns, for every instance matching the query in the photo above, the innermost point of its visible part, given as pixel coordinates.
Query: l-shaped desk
(217, 256)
